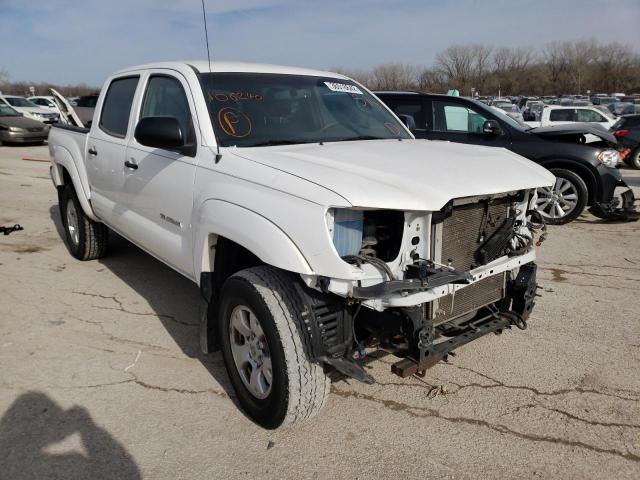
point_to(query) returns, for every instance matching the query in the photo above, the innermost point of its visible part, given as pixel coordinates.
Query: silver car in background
(16, 128)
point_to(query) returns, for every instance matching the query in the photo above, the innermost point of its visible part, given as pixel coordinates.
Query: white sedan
(30, 109)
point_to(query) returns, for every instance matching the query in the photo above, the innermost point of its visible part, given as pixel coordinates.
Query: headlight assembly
(345, 227)
(609, 158)
(371, 233)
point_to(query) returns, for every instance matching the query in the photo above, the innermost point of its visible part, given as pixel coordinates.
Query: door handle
(131, 165)
(92, 151)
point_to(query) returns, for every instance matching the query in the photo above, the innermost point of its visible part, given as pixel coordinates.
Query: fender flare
(64, 160)
(248, 229)
(584, 170)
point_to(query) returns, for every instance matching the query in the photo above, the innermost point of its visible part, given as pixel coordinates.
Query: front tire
(263, 349)
(565, 201)
(85, 239)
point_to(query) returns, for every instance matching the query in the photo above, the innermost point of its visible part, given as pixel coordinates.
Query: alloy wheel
(250, 352)
(558, 201)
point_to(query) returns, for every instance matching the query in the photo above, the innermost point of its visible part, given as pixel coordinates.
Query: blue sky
(73, 41)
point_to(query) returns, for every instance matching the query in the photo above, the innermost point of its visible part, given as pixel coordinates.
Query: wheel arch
(236, 225)
(65, 173)
(584, 172)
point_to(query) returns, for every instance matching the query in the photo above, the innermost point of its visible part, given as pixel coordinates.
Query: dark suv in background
(586, 173)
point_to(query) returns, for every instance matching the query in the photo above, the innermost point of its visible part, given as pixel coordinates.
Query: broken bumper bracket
(440, 351)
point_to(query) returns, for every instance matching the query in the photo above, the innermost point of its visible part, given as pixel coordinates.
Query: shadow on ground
(34, 424)
(172, 297)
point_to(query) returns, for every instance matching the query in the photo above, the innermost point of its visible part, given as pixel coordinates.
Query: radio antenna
(206, 34)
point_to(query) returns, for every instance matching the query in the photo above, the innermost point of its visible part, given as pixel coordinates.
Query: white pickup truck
(558, 115)
(313, 222)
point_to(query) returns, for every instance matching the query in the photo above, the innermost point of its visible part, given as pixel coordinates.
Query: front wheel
(565, 201)
(263, 349)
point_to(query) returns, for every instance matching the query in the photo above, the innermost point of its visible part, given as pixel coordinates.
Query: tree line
(556, 68)
(41, 88)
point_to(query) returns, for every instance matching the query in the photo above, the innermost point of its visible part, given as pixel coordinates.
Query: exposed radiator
(468, 299)
(457, 240)
(461, 232)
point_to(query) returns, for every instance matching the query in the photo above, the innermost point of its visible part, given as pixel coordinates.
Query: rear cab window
(116, 107)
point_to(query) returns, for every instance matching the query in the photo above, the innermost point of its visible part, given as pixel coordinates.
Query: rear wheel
(633, 159)
(263, 349)
(565, 200)
(85, 239)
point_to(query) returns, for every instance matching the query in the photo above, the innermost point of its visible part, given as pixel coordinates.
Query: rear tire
(633, 159)
(85, 239)
(263, 300)
(569, 195)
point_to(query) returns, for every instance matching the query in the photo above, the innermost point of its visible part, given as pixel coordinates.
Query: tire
(633, 159)
(85, 239)
(569, 195)
(298, 388)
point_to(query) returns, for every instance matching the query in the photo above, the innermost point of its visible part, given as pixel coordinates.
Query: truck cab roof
(203, 66)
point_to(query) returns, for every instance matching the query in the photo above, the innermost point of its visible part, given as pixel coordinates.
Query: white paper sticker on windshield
(343, 87)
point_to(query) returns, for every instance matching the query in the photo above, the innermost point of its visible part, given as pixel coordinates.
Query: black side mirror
(163, 132)
(408, 120)
(491, 127)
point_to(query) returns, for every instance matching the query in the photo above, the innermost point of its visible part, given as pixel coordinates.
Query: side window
(451, 117)
(165, 97)
(116, 108)
(585, 115)
(415, 109)
(562, 115)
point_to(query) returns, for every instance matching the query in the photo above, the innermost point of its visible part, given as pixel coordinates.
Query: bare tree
(4, 75)
(365, 77)
(394, 76)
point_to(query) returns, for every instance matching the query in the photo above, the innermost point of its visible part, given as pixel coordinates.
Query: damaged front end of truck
(432, 282)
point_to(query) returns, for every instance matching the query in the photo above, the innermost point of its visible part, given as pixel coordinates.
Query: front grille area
(462, 231)
(468, 299)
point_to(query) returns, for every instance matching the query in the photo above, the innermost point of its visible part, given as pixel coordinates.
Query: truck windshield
(258, 109)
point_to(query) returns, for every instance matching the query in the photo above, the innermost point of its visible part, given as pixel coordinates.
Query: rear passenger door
(106, 148)
(159, 183)
(462, 123)
(414, 106)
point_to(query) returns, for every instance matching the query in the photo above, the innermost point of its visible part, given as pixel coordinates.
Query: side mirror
(162, 132)
(408, 120)
(491, 127)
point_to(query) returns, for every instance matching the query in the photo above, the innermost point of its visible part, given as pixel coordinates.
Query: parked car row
(586, 173)
(42, 109)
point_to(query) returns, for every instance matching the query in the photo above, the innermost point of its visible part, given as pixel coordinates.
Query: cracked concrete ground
(101, 376)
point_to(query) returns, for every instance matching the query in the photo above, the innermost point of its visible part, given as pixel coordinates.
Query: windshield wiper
(359, 137)
(271, 143)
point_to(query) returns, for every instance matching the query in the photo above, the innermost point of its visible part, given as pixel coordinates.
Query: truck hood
(575, 132)
(403, 175)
